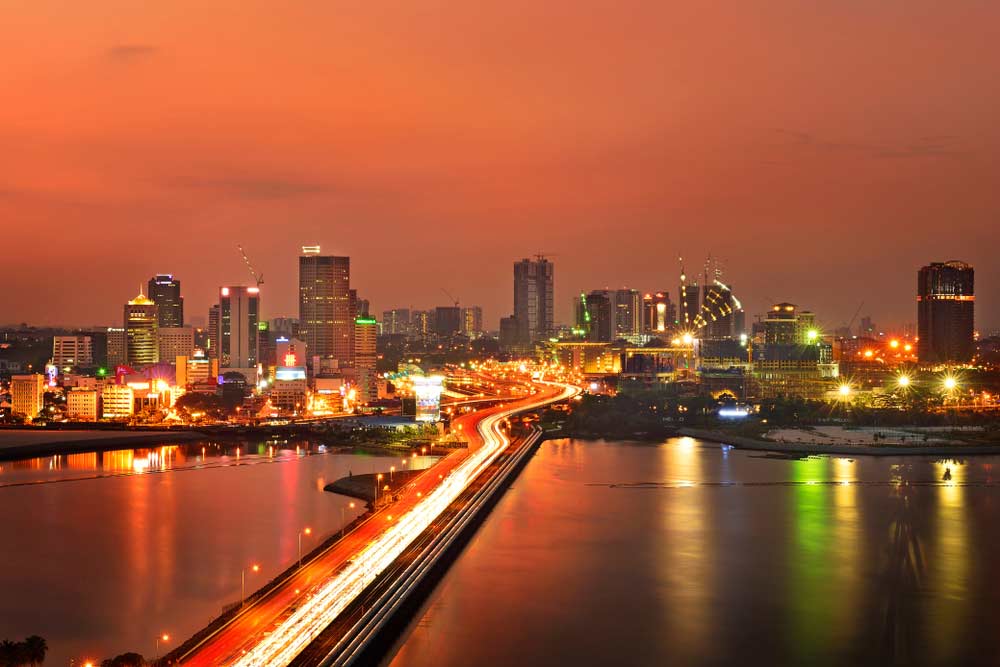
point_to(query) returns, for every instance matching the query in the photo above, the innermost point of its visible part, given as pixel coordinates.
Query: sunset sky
(823, 150)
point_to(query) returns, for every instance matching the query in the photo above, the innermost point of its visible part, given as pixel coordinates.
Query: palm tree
(8, 653)
(35, 648)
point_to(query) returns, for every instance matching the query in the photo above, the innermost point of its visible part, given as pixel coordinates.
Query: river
(103, 552)
(683, 552)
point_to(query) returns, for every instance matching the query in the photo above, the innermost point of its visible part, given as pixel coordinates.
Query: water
(690, 553)
(103, 552)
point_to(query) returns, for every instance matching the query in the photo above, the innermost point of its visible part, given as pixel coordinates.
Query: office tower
(360, 307)
(239, 314)
(117, 401)
(781, 325)
(116, 355)
(533, 298)
(447, 320)
(867, 326)
(213, 331)
(472, 321)
(715, 317)
(659, 314)
(192, 370)
(72, 352)
(175, 342)
(510, 335)
(284, 326)
(396, 321)
(266, 345)
(326, 319)
(627, 305)
(27, 393)
(946, 313)
(600, 316)
(805, 328)
(165, 292)
(142, 324)
(365, 356)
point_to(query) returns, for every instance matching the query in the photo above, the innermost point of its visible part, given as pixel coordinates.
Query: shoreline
(84, 441)
(743, 442)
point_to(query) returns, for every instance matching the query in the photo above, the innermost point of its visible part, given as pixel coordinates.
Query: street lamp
(845, 390)
(243, 582)
(392, 469)
(950, 383)
(378, 478)
(308, 531)
(342, 523)
(903, 381)
(164, 637)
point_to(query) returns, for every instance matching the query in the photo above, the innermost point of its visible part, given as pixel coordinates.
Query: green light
(366, 320)
(812, 334)
(102, 371)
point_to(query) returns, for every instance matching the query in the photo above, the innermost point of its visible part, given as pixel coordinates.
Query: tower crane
(449, 295)
(259, 277)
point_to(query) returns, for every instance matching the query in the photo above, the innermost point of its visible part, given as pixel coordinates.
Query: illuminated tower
(326, 318)
(945, 313)
(142, 325)
(365, 356)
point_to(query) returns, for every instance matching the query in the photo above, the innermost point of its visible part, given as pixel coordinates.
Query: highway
(275, 628)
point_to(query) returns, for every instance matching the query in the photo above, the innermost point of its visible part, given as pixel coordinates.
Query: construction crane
(851, 323)
(259, 277)
(448, 294)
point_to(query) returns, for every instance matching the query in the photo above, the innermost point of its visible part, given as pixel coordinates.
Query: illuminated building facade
(290, 388)
(326, 309)
(599, 316)
(396, 321)
(175, 342)
(659, 314)
(427, 390)
(72, 351)
(27, 394)
(472, 321)
(690, 304)
(627, 306)
(165, 292)
(116, 355)
(117, 401)
(534, 282)
(195, 369)
(142, 324)
(366, 357)
(83, 405)
(239, 315)
(946, 313)
(213, 331)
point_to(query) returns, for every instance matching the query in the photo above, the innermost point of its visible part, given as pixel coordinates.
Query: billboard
(427, 390)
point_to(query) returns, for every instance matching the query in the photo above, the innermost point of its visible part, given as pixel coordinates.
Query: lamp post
(243, 582)
(162, 637)
(378, 478)
(308, 531)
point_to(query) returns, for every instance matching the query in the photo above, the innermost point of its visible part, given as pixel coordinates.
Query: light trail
(317, 612)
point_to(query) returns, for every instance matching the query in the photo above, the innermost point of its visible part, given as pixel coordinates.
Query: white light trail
(316, 613)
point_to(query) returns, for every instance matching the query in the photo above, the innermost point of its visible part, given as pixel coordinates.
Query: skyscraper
(447, 320)
(533, 298)
(600, 316)
(628, 312)
(142, 345)
(239, 314)
(659, 314)
(165, 292)
(213, 331)
(326, 318)
(365, 355)
(396, 321)
(946, 312)
(472, 321)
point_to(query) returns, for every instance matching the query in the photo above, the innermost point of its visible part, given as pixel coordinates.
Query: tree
(35, 648)
(125, 660)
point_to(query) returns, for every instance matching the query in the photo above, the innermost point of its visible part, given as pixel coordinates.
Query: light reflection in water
(949, 566)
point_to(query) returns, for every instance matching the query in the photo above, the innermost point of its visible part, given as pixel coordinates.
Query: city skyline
(159, 144)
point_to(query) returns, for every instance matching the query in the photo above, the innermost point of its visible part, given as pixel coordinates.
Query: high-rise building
(117, 401)
(116, 355)
(165, 292)
(27, 394)
(365, 356)
(239, 314)
(627, 306)
(396, 321)
(600, 316)
(659, 314)
(690, 304)
(213, 331)
(472, 321)
(82, 404)
(946, 313)
(290, 352)
(781, 325)
(447, 320)
(142, 324)
(72, 351)
(421, 323)
(534, 298)
(326, 316)
(175, 342)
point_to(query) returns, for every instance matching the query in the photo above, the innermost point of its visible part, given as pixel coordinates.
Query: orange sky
(823, 150)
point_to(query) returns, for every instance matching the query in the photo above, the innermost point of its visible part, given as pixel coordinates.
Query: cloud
(127, 53)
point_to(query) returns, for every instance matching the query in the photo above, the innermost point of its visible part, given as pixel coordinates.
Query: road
(276, 627)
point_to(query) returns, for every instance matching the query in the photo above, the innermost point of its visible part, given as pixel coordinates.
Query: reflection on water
(102, 552)
(691, 553)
